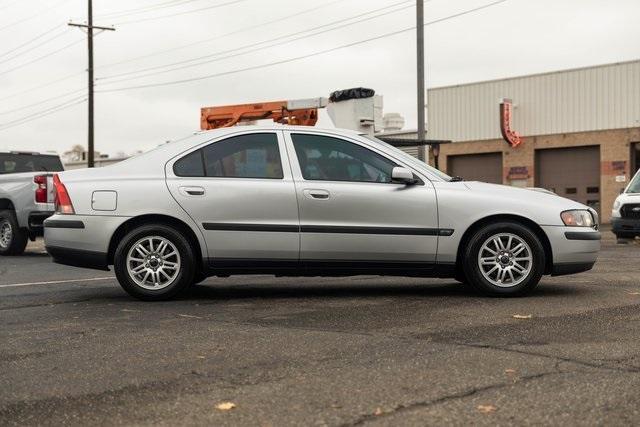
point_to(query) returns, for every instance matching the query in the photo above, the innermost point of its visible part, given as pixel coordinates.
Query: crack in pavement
(363, 419)
(548, 356)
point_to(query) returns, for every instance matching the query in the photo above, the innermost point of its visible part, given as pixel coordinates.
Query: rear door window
(245, 156)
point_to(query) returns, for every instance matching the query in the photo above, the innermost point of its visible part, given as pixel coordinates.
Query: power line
(42, 101)
(33, 16)
(286, 36)
(309, 55)
(240, 30)
(171, 15)
(39, 36)
(58, 80)
(43, 85)
(144, 9)
(46, 41)
(39, 114)
(8, 5)
(39, 58)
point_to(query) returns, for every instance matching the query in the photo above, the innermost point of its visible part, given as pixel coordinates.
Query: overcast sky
(515, 37)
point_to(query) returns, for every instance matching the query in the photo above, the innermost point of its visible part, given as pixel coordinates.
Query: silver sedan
(303, 201)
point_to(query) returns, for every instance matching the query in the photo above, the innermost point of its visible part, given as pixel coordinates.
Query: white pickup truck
(26, 197)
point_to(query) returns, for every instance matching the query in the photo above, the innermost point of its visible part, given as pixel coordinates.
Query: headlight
(577, 218)
(616, 205)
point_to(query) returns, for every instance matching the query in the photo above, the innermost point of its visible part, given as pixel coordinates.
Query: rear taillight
(41, 189)
(62, 199)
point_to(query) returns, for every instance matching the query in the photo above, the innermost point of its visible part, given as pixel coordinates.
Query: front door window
(324, 158)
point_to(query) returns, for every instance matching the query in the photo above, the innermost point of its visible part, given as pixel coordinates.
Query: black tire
(625, 235)
(186, 272)
(475, 277)
(199, 277)
(459, 275)
(19, 237)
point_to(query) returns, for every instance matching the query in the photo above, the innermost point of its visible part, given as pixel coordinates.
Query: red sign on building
(512, 137)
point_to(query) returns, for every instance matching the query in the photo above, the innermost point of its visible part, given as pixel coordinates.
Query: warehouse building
(575, 132)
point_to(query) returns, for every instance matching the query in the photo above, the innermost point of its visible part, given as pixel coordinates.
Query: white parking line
(55, 282)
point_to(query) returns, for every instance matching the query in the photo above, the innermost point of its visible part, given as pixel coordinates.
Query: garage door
(573, 173)
(485, 167)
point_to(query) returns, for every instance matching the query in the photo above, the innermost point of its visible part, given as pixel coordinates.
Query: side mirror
(403, 175)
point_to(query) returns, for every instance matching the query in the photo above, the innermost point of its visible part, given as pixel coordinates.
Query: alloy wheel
(153, 262)
(6, 234)
(505, 260)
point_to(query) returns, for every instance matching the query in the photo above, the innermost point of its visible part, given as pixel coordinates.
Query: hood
(525, 196)
(624, 197)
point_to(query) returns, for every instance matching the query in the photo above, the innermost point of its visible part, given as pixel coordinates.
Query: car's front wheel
(504, 259)
(154, 262)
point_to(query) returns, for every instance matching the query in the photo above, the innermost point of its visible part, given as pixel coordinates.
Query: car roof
(182, 144)
(276, 126)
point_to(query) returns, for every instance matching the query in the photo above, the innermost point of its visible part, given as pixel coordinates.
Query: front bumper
(574, 249)
(625, 225)
(571, 268)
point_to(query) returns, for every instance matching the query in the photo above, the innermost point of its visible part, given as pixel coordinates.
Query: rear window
(19, 163)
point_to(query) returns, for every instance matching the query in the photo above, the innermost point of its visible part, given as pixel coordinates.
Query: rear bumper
(78, 258)
(625, 225)
(36, 220)
(80, 240)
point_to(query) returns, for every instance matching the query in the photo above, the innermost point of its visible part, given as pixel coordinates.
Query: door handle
(317, 194)
(192, 191)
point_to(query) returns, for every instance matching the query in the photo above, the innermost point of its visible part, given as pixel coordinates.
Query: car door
(350, 210)
(240, 191)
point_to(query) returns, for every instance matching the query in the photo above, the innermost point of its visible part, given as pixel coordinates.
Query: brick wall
(518, 163)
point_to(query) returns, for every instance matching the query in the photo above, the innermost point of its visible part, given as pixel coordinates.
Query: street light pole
(89, 27)
(421, 89)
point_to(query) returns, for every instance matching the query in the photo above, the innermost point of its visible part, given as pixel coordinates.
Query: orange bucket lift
(303, 112)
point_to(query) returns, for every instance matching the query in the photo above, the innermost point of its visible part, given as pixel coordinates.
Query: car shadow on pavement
(336, 290)
(30, 254)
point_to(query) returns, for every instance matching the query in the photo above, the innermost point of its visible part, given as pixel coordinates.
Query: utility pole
(90, 27)
(421, 89)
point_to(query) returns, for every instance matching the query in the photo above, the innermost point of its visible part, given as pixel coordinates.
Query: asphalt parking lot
(77, 350)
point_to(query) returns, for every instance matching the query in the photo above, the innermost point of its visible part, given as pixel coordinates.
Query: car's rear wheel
(13, 240)
(154, 262)
(504, 259)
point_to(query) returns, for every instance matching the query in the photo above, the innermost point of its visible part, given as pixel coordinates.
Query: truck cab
(26, 197)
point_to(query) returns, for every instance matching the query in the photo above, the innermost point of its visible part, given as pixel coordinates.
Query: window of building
(324, 158)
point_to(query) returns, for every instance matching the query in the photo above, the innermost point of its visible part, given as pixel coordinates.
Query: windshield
(410, 159)
(634, 185)
(19, 163)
